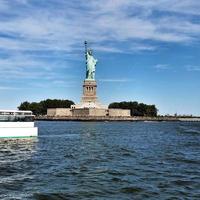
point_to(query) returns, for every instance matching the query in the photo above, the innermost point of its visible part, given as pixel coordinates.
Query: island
(91, 109)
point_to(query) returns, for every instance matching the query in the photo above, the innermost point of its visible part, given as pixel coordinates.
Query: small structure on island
(89, 105)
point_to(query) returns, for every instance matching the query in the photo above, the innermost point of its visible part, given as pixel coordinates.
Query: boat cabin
(16, 116)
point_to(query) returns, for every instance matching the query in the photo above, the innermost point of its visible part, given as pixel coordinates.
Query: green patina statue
(90, 63)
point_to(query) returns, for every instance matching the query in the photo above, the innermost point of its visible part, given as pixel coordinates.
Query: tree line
(137, 109)
(40, 108)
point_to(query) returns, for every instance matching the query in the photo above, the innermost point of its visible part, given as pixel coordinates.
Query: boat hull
(18, 130)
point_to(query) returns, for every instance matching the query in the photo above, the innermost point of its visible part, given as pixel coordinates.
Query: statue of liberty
(90, 63)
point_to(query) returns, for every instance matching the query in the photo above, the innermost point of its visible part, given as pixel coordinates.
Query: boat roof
(18, 111)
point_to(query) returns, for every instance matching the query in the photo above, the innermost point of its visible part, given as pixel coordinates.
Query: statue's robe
(91, 64)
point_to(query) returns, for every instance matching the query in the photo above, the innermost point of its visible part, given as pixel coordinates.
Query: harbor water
(103, 160)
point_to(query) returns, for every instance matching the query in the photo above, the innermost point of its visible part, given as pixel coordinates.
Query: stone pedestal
(89, 98)
(89, 91)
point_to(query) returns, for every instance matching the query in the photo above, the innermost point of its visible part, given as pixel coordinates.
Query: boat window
(5, 112)
(18, 118)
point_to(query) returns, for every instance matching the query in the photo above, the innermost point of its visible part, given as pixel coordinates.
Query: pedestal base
(89, 91)
(89, 98)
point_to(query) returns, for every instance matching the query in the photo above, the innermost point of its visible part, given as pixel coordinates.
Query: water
(103, 160)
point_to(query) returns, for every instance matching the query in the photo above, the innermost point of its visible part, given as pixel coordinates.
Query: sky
(148, 51)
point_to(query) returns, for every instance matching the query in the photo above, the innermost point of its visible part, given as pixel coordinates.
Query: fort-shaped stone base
(88, 112)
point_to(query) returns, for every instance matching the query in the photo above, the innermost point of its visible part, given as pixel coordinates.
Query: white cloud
(193, 68)
(62, 28)
(8, 88)
(142, 47)
(121, 80)
(107, 49)
(3, 5)
(19, 66)
(111, 26)
(161, 66)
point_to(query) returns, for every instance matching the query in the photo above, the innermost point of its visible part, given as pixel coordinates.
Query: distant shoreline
(134, 119)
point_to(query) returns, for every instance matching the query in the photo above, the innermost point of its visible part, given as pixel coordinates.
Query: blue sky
(148, 51)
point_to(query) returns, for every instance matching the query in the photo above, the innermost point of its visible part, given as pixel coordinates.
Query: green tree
(24, 106)
(41, 107)
(137, 109)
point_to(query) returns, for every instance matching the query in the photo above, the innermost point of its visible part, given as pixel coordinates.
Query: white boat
(17, 124)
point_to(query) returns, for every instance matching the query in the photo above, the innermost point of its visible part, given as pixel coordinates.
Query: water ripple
(76, 160)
